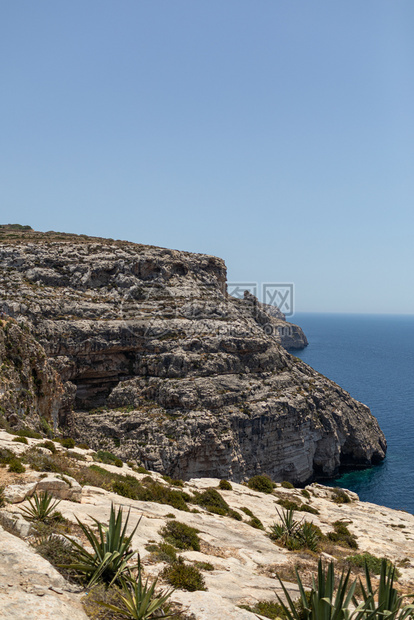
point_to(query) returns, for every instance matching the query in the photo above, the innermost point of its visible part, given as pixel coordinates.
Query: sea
(372, 357)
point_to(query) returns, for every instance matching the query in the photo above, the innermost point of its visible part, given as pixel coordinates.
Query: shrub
(310, 509)
(181, 535)
(212, 501)
(372, 562)
(340, 496)
(27, 432)
(174, 482)
(342, 535)
(104, 456)
(256, 523)
(268, 609)
(287, 485)
(49, 445)
(305, 493)
(142, 470)
(204, 566)
(289, 504)
(59, 553)
(54, 463)
(67, 442)
(163, 552)
(235, 515)
(20, 440)
(261, 483)
(225, 485)
(184, 576)
(2, 497)
(247, 511)
(6, 456)
(16, 466)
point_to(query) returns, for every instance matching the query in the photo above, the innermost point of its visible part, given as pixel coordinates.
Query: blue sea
(372, 357)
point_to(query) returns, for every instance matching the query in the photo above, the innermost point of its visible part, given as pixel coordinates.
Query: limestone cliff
(166, 368)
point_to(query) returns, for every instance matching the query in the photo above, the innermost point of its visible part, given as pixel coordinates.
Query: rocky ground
(244, 560)
(146, 354)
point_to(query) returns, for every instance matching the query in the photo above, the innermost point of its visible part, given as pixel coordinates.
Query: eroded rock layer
(163, 366)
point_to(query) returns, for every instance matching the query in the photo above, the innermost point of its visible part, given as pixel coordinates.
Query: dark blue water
(372, 357)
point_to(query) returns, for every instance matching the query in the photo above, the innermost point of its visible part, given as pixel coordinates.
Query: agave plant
(388, 602)
(138, 599)
(108, 561)
(294, 534)
(287, 528)
(41, 507)
(330, 601)
(325, 601)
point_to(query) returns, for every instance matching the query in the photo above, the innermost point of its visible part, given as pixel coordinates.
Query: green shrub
(67, 442)
(261, 483)
(54, 463)
(310, 509)
(20, 440)
(49, 445)
(306, 493)
(204, 566)
(118, 463)
(104, 456)
(6, 456)
(174, 482)
(256, 523)
(342, 535)
(247, 511)
(181, 535)
(212, 501)
(225, 485)
(372, 562)
(163, 552)
(340, 496)
(289, 504)
(235, 515)
(287, 485)
(2, 497)
(268, 609)
(184, 576)
(27, 432)
(16, 466)
(59, 553)
(142, 470)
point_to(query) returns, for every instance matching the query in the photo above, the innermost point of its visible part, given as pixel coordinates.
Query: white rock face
(30, 588)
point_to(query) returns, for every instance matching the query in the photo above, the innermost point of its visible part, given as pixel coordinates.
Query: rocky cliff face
(31, 391)
(163, 366)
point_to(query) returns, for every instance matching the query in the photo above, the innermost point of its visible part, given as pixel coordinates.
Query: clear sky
(276, 134)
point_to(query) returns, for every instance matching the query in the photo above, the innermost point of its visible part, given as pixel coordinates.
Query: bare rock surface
(30, 587)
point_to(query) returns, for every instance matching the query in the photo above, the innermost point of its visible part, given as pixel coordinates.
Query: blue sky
(275, 134)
